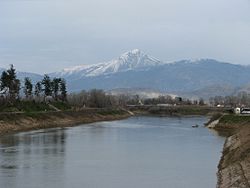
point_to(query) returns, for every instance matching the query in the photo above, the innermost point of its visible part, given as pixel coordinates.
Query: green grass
(32, 106)
(235, 119)
(214, 117)
(25, 106)
(184, 110)
(178, 110)
(61, 105)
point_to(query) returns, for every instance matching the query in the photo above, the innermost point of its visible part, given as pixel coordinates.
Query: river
(139, 152)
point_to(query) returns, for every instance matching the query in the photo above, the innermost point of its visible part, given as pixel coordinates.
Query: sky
(44, 36)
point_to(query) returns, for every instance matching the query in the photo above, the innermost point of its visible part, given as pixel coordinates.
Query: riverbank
(15, 122)
(234, 166)
(177, 110)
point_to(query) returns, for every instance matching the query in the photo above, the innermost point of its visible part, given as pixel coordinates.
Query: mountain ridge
(189, 77)
(131, 60)
(135, 69)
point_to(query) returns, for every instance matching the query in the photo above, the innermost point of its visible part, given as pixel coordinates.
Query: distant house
(178, 99)
(242, 110)
(237, 110)
(245, 111)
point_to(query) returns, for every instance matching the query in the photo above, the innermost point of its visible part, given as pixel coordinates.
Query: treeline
(169, 100)
(241, 99)
(99, 99)
(94, 98)
(11, 88)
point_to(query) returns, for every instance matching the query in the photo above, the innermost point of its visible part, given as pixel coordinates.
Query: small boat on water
(195, 126)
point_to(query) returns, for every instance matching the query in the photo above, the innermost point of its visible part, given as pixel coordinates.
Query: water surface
(139, 152)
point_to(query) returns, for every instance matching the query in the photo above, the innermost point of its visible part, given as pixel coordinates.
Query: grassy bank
(233, 123)
(14, 122)
(32, 106)
(177, 110)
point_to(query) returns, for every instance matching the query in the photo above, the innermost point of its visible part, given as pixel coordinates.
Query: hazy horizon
(44, 36)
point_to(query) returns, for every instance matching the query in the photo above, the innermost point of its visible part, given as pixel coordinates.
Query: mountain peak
(133, 52)
(131, 60)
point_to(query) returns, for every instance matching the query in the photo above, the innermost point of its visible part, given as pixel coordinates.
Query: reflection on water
(137, 152)
(21, 154)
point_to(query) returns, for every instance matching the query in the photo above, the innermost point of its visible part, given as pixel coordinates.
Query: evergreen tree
(11, 73)
(63, 90)
(55, 87)
(38, 89)
(47, 86)
(201, 102)
(28, 87)
(10, 84)
(4, 82)
(15, 89)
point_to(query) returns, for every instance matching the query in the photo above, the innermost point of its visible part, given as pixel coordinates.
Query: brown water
(140, 152)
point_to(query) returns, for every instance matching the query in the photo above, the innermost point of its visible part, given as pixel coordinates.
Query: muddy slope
(234, 167)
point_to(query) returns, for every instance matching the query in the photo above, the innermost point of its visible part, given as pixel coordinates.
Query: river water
(139, 152)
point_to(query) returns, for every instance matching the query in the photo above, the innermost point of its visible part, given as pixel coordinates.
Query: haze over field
(48, 35)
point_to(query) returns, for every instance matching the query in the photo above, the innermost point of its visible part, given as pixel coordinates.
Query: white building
(237, 110)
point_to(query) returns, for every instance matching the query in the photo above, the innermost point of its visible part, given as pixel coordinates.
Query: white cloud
(78, 31)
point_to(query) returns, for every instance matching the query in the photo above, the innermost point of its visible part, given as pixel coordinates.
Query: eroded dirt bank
(234, 166)
(15, 122)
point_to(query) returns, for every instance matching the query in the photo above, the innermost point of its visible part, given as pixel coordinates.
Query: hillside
(135, 69)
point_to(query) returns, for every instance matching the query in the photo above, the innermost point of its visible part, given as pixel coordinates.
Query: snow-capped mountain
(132, 60)
(135, 69)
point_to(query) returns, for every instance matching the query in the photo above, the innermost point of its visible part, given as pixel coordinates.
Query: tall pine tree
(28, 87)
(10, 85)
(47, 89)
(55, 87)
(38, 89)
(63, 90)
